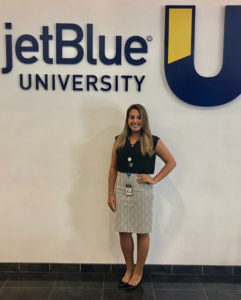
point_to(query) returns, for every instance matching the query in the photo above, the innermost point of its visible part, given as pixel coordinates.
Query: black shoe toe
(122, 284)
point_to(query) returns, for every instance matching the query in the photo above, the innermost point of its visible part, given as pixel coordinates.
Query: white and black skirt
(133, 212)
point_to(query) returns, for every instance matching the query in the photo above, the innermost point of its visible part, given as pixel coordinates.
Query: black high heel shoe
(130, 287)
(122, 284)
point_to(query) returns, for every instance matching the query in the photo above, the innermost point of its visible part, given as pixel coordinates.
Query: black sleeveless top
(130, 159)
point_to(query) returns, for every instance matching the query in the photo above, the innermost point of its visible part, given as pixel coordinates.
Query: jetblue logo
(180, 72)
(181, 75)
(46, 38)
(77, 82)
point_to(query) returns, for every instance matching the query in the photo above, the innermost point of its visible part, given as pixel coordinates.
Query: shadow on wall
(89, 214)
(168, 214)
(168, 206)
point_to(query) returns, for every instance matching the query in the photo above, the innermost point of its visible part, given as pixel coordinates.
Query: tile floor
(103, 286)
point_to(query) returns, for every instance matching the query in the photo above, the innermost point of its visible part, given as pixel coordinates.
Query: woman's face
(134, 120)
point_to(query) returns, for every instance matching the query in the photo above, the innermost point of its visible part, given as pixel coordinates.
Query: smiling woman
(130, 188)
(134, 120)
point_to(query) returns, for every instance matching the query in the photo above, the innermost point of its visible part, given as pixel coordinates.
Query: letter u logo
(181, 75)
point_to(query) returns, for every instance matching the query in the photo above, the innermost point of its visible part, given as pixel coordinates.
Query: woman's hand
(143, 178)
(112, 202)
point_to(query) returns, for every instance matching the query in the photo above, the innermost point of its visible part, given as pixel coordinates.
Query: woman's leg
(127, 247)
(143, 243)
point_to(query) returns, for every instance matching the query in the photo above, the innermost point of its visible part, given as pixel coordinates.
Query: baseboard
(117, 268)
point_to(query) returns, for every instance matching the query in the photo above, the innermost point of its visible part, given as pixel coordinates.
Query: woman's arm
(112, 179)
(170, 163)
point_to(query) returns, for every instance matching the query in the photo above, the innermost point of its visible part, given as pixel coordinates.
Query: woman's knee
(142, 235)
(125, 233)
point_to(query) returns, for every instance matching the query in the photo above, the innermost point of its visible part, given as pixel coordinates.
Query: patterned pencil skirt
(133, 213)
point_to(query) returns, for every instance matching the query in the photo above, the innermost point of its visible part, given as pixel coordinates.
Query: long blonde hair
(146, 140)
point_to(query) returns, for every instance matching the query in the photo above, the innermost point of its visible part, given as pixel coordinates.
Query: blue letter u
(181, 75)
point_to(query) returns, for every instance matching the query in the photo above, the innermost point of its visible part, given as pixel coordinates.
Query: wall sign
(181, 75)
(180, 72)
(78, 82)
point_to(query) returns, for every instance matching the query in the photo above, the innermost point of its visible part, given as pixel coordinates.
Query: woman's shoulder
(155, 140)
(155, 137)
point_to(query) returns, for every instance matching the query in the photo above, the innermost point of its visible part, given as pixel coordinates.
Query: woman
(130, 188)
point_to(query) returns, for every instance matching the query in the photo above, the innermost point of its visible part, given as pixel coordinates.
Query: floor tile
(31, 280)
(183, 269)
(180, 295)
(84, 281)
(220, 282)
(138, 294)
(97, 285)
(4, 277)
(76, 293)
(111, 281)
(176, 282)
(223, 295)
(24, 293)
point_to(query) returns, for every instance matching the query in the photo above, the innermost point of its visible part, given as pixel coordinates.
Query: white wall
(55, 146)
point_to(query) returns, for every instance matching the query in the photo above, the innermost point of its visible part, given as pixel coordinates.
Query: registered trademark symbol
(149, 38)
